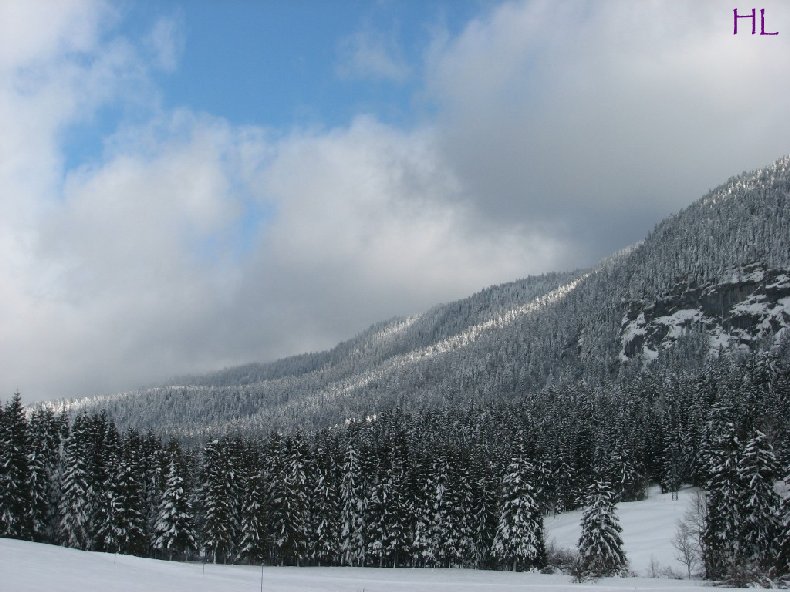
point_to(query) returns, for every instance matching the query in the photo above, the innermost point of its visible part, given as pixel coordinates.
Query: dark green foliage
(16, 520)
(519, 540)
(601, 550)
(174, 531)
(463, 486)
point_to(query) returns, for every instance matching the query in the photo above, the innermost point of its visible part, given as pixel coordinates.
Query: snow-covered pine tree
(783, 538)
(103, 452)
(325, 506)
(107, 495)
(759, 503)
(399, 518)
(15, 511)
(376, 513)
(441, 500)
(218, 528)
(295, 505)
(127, 498)
(253, 521)
(74, 503)
(43, 460)
(722, 451)
(485, 512)
(421, 494)
(287, 498)
(352, 506)
(519, 537)
(460, 547)
(156, 462)
(175, 527)
(600, 545)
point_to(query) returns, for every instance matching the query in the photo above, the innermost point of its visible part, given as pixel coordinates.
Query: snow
(34, 567)
(649, 354)
(737, 276)
(648, 529)
(782, 281)
(718, 339)
(679, 320)
(460, 340)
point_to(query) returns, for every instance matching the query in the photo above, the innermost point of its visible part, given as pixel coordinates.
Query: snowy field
(648, 530)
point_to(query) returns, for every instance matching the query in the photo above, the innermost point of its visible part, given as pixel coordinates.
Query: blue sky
(190, 185)
(284, 64)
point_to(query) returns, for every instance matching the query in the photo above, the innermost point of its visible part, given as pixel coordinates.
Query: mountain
(715, 276)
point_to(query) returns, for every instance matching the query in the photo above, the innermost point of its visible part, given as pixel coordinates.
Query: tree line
(460, 486)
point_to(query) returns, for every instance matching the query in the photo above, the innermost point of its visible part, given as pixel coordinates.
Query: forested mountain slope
(714, 275)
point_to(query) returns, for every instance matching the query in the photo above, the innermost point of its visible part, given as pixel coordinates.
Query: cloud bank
(559, 132)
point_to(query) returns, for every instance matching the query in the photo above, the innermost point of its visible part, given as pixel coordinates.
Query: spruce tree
(44, 461)
(125, 530)
(218, 528)
(759, 502)
(519, 537)
(253, 521)
(175, 529)
(74, 504)
(724, 495)
(783, 538)
(325, 507)
(600, 545)
(352, 507)
(15, 496)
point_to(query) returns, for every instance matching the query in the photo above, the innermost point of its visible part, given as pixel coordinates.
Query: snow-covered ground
(648, 529)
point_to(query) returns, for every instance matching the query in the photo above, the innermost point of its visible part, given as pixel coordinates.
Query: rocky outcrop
(746, 305)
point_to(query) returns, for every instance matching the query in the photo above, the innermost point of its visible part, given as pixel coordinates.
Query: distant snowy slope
(648, 529)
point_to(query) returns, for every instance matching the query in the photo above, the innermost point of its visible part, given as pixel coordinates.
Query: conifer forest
(437, 487)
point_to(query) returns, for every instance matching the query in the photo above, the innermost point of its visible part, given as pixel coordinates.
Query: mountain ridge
(504, 340)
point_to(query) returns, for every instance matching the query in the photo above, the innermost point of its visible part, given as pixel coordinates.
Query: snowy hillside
(719, 268)
(648, 529)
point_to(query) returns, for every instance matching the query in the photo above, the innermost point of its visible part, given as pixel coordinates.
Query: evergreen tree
(15, 496)
(74, 503)
(102, 452)
(44, 461)
(106, 522)
(399, 515)
(601, 551)
(724, 487)
(759, 503)
(325, 507)
(352, 500)
(217, 488)
(783, 538)
(253, 521)
(422, 494)
(124, 531)
(175, 530)
(485, 513)
(519, 536)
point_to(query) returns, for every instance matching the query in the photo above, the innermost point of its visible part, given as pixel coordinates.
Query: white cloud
(580, 116)
(562, 132)
(166, 42)
(373, 56)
